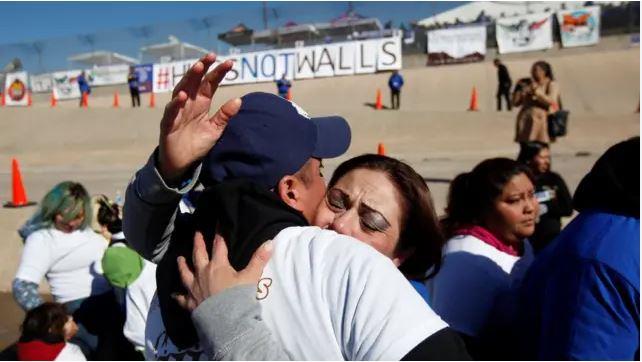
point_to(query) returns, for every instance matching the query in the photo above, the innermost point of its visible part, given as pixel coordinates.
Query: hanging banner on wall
(524, 33)
(107, 75)
(145, 75)
(15, 86)
(458, 45)
(579, 27)
(65, 85)
(41, 83)
(356, 57)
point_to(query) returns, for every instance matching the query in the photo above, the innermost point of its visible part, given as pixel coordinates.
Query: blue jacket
(283, 85)
(83, 85)
(581, 296)
(395, 82)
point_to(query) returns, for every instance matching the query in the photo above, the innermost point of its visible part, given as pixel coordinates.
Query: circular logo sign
(17, 90)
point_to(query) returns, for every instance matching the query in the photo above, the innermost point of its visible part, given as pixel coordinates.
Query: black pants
(395, 98)
(503, 90)
(135, 93)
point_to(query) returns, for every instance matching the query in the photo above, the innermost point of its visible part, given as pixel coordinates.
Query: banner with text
(524, 33)
(15, 86)
(579, 27)
(458, 45)
(41, 83)
(357, 57)
(145, 75)
(107, 74)
(65, 85)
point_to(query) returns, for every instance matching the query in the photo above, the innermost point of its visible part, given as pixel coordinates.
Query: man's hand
(187, 132)
(210, 277)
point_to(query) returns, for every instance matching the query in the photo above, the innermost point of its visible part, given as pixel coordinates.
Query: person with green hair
(61, 247)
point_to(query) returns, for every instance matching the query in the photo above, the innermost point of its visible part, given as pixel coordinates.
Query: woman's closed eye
(337, 199)
(372, 220)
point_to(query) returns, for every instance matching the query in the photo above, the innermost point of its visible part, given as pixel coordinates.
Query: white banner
(167, 75)
(344, 64)
(524, 33)
(579, 27)
(356, 57)
(366, 56)
(389, 54)
(456, 45)
(65, 85)
(107, 75)
(41, 83)
(15, 86)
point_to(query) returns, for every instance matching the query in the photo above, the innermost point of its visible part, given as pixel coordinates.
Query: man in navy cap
(260, 159)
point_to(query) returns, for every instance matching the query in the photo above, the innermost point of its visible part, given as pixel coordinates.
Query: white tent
(495, 9)
(102, 57)
(173, 50)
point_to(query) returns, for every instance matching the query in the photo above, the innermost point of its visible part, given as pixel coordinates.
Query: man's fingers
(174, 106)
(213, 79)
(254, 268)
(192, 78)
(199, 252)
(220, 251)
(187, 277)
(227, 111)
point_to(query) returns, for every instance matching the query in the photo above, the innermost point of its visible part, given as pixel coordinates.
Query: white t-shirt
(138, 299)
(67, 260)
(327, 296)
(472, 277)
(70, 352)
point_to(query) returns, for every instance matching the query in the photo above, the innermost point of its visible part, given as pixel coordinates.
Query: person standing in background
(283, 86)
(395, 83)
(504, 84)
(132, 80)
(84, 87)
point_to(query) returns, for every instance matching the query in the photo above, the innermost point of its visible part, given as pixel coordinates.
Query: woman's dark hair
(472, 194)
(529, 150)
(109, 216)
(548, 70)
(419, 230)
(522, 83)
(46, 322)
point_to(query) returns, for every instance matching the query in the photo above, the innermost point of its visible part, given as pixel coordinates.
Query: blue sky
(60, 24)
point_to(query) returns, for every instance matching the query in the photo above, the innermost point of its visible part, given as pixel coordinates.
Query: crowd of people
(231, 246)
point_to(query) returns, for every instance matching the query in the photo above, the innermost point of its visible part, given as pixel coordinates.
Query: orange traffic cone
(54, 102)
(116, 100)
(473, 100)
(378, 104)
(381, 149)
(29, 100)
(19, 194)
(289, 95)
(152, 100)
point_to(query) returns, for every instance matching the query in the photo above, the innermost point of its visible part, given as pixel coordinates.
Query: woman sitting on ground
(45, 336)
(551, 193)
(61, 247)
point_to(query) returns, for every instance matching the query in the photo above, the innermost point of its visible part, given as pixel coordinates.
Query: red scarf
(486, 236)
(39, 351)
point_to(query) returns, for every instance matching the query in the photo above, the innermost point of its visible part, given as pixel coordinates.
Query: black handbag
(557, 123)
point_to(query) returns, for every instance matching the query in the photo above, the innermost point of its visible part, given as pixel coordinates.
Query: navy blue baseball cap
(271, 137)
